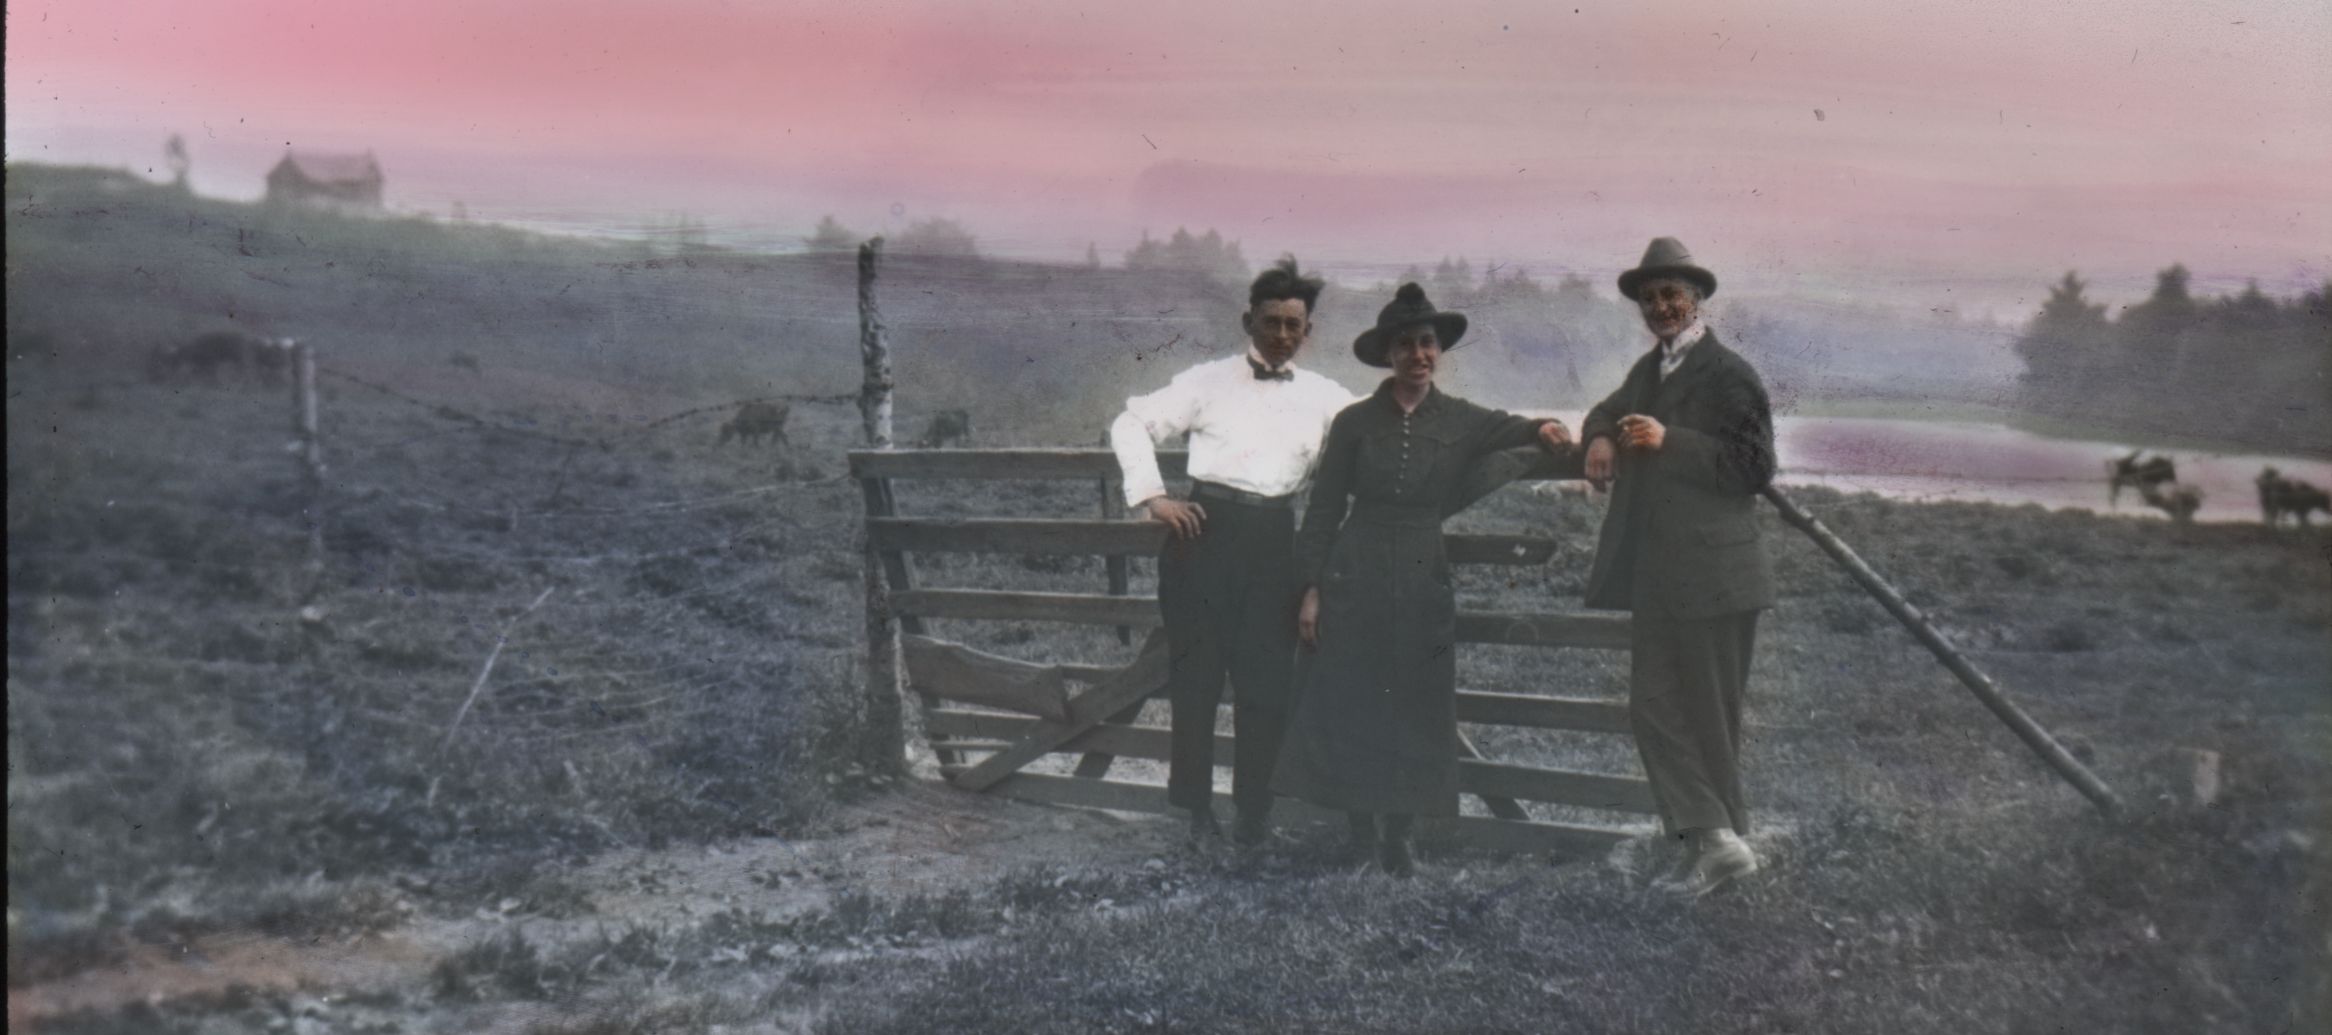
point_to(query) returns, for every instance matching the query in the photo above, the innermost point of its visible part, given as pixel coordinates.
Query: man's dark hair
(1283, 280)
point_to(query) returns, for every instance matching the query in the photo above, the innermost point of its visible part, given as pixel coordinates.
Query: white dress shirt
(1672, 353)
(1245, 432)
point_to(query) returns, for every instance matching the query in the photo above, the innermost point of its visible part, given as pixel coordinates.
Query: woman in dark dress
(1374, 731)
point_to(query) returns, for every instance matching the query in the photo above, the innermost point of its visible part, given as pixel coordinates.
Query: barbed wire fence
(669, 682)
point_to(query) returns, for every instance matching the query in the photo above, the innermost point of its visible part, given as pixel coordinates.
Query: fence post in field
(883, 743)
(310, 448)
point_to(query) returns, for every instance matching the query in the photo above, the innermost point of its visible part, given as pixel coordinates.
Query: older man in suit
(1686, 446)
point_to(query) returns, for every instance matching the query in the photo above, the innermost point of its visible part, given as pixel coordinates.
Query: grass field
(222, 818)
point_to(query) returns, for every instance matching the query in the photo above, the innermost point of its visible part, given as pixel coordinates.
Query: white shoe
(1720, 857)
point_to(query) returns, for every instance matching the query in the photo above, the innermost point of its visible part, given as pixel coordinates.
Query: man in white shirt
(1226, 578)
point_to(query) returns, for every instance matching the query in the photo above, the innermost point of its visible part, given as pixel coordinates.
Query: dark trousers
(1686, 681)
(1229, 600)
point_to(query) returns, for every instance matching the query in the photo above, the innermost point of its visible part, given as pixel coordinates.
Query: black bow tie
(1264, 373)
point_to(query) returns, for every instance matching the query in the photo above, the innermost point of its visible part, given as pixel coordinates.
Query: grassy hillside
(192, 763)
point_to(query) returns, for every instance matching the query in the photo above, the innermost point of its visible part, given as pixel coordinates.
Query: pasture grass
(188, 756)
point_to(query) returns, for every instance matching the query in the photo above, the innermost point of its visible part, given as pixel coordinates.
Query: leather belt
(1212, 491)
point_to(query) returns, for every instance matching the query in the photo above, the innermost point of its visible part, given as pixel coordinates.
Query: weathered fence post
(883, 745)
(309, 446)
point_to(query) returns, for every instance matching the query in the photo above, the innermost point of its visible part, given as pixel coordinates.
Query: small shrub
(2070, 636)
(509, 963)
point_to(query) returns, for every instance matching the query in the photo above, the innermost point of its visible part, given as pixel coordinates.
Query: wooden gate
(989, 717)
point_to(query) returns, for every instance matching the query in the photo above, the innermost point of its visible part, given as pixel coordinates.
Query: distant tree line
(2244, 368)
(940, 237)
(1206, 254)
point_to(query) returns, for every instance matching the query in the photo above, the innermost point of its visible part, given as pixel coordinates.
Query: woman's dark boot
(1393, 851)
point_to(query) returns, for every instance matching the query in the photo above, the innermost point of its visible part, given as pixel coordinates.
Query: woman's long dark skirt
(1375, 722)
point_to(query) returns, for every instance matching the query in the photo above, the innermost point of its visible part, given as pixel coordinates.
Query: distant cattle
(265, 359)
(2279, 495)
(2178, 501)
(2130, 471)
(947, 426)
(757, 419)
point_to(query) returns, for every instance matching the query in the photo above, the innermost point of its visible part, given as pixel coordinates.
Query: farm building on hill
(326, 179)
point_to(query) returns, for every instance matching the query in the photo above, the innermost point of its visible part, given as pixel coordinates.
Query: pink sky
(1982, 147)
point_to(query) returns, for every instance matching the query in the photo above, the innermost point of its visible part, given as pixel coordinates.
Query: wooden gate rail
(1021, 465)
(1527, 629)
(1057, 537)
(965, 729)
(1037, 714)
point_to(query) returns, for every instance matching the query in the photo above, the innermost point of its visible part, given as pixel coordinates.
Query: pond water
(1981, 462)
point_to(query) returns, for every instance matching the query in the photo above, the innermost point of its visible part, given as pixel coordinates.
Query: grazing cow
(2178, 501)
(202, 358)
(948, 426)
(2279, 495)
(756, 419)
(2142, 475)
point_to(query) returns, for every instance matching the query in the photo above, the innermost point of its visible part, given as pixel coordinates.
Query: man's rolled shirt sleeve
(1150, 421)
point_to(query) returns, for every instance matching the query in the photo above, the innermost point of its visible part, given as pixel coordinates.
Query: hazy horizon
(1962, 158)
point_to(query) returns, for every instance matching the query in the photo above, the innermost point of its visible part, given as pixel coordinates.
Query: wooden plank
(1015, 464)
(1458, 831)
(954, 672)
(1584, 715)
(1087, 673)
(1545, 629)
(1138, 680)
(1079, 608)
(1501, 807)
(1519, 550)
(1002, 464)
(1542, 629)
(1131, 741)
(1498, 835)
(1586, 790)
(1485, 779)
(1070, 537)
(1053, 536)
(960, 744)
(1547, 713)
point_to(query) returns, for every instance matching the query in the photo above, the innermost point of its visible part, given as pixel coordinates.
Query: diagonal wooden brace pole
(1977, 682)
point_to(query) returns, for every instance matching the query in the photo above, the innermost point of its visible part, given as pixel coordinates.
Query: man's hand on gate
(1599, 456)
(1186, 519)
(1308, 620)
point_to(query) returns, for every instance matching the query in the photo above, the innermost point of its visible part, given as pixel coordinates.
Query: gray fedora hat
(1408, 308)
(1666, 258)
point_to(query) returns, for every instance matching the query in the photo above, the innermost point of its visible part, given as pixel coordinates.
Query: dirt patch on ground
(916, 838)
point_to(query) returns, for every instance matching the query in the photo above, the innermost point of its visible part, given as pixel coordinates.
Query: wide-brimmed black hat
(1666, 258)
(1408, 308)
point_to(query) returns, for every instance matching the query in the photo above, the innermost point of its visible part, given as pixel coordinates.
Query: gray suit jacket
(1680, 537)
